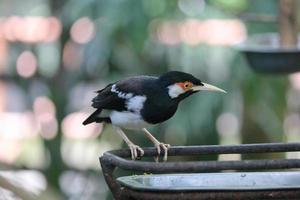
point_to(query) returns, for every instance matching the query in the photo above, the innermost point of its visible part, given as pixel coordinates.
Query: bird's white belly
(128, 120)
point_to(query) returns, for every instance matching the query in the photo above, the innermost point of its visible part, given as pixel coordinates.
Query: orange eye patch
(186, 85)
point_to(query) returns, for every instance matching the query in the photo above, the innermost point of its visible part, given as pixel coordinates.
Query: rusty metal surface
(111, 160)
(216, 149)
(208, 195)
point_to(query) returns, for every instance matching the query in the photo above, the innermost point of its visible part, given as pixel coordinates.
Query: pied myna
(142, 101)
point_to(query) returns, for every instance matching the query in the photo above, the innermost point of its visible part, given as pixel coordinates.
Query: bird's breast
(128, 120)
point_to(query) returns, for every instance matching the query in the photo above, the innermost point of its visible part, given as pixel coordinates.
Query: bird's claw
(136, 151)
(165, 147)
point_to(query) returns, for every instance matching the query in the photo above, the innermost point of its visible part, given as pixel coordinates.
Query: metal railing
(117, 158)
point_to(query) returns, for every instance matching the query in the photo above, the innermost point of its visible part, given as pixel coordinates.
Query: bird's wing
(135, 84)
(115, 95)
(106, 99)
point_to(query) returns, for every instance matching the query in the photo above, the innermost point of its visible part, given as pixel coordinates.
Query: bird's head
(181, 85)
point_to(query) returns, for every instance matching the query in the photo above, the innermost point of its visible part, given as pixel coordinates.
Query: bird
(140, 102)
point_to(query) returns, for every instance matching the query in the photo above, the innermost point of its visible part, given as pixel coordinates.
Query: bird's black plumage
(176, 76)
(158, 106)
(106, 99)
(136, 102)
(93, 117)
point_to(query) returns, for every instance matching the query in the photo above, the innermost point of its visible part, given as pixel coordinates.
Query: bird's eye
(187, 85)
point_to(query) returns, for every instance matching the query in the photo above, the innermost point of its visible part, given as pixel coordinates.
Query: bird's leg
(133, 148)
(158, 145)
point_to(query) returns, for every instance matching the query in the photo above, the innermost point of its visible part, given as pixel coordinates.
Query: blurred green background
(55, 54)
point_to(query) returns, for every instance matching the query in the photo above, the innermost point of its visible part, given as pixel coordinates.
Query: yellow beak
(207, 87)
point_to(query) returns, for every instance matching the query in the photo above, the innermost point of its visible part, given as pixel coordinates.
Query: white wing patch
(175, 90)
(120, 94)
(130, 119)
(136, 103)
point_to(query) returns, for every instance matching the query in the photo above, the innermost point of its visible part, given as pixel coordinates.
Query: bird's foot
(163, 146)
(136, 151)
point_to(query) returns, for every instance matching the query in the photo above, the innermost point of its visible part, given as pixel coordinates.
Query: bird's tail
(92, 117)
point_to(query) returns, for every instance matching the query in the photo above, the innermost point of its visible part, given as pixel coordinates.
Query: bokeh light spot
(228, 124)
(83, 30)
(44, 110)
(72, 127)
(26, 64)
(295, 80)
(54, 29)
(193, 31)
(43, 105)
(168, 33)
(189, 33)
(26, 128)
(72, 56)
(291, 126)
(30, 29)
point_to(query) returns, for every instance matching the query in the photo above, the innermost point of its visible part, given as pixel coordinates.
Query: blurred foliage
(232, 5)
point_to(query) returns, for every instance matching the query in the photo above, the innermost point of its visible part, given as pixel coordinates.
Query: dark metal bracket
(116, 158)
